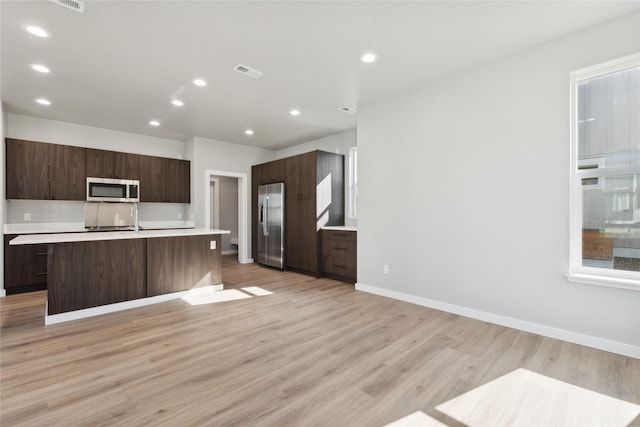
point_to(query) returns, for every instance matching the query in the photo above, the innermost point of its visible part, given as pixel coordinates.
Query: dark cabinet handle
(339, 266)
(340, 249)
(41, 274)
(41, 253)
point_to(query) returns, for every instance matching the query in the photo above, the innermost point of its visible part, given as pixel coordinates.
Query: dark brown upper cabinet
(41, 171)
(164, 180)
(67, 173)
(112, 164)
(27, 169)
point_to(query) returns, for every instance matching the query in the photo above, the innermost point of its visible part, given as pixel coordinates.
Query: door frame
(243, 215)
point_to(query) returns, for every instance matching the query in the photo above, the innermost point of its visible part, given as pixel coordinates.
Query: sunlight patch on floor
(200, 296)
(255, 290)
(525, 398)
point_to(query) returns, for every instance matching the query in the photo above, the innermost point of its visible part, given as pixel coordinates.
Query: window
(605, 177)
(353, 183)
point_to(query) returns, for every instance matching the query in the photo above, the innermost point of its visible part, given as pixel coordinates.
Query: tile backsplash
(53, 211)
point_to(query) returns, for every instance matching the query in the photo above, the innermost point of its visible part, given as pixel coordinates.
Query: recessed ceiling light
(200, 82)
(248, 132)
(177, 103)
(37, 31)
(43, 101)
(154, 123)
(294, 112)
(369, 57)
(40, 68)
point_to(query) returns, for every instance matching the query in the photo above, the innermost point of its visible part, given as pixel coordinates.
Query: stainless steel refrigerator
(271, 225)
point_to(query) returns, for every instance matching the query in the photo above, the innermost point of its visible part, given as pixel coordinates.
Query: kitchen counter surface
(78, 227)
(30, 239)
(340, 228)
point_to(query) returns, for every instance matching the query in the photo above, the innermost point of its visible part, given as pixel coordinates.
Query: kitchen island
(102, 272)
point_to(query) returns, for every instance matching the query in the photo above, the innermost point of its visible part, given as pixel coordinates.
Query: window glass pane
(611, 222)
(609, 118)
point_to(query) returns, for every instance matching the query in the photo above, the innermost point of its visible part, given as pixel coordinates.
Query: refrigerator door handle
(265, 218)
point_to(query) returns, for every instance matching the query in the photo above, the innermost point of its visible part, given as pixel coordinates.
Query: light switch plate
(212, 244)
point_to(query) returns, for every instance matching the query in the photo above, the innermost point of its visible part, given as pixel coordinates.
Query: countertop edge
(339, 228)
(30, 239)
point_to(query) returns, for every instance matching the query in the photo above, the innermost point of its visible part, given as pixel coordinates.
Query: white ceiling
(119, 64)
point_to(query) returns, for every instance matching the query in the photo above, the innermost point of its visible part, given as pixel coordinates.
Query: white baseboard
(246, 261)
(3, 293)
(536, 328)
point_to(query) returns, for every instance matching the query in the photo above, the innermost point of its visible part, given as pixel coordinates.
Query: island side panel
(182, 263)
(90, 274)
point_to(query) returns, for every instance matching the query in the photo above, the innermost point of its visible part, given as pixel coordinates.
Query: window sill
(612, 282)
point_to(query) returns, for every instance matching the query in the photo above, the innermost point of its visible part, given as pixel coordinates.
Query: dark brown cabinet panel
(126, 165)
(177, 186)
(300, 201)
(339, 254)
(27, 167)
(41, 171)
(274, 172)
(112, 164)
(164, 180)
(99, 163)
(67, 173)
(152, 179)
(24, 265)
(90, 274)
(308, 177)
(182, 263)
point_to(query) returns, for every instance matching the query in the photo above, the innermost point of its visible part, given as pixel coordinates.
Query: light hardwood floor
(314, 352)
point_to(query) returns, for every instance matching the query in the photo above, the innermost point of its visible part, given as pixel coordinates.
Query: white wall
(228, 210)
(51, 131)
(464, 194)
(337, 143)
(212, 155)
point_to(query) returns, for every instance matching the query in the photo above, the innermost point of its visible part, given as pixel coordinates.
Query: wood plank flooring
(313, 353)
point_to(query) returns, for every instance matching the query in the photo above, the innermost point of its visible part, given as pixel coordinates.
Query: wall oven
(113, 190)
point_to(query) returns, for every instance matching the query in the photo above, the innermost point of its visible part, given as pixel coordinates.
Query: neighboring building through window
(353, 183)
(605, 174)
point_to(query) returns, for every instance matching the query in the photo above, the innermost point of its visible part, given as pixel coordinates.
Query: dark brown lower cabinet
(339, 254)
(182, 263)
(25, 267)
(90, 274)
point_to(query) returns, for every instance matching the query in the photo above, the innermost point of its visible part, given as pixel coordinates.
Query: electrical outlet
(179, 215)
(385, 269)
(27, 216)
(212, 244)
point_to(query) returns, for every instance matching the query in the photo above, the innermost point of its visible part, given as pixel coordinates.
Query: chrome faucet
(136, 226)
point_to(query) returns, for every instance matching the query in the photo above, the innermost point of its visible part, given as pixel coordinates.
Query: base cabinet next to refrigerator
(314, 197)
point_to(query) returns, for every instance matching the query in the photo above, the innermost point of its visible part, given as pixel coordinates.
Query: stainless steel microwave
(113, 190)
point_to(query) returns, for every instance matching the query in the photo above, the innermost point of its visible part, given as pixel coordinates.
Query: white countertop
(340, 228)
(78, 227)
(30, 239)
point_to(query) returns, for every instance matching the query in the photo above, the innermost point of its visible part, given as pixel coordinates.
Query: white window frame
(577, 272)
(352, 207)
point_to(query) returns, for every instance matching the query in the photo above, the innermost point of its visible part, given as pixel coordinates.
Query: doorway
(224, 211)
(242, 212)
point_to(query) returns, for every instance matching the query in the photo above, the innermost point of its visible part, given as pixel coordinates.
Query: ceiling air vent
(76, 5)
(247, 71)
(348, 110)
